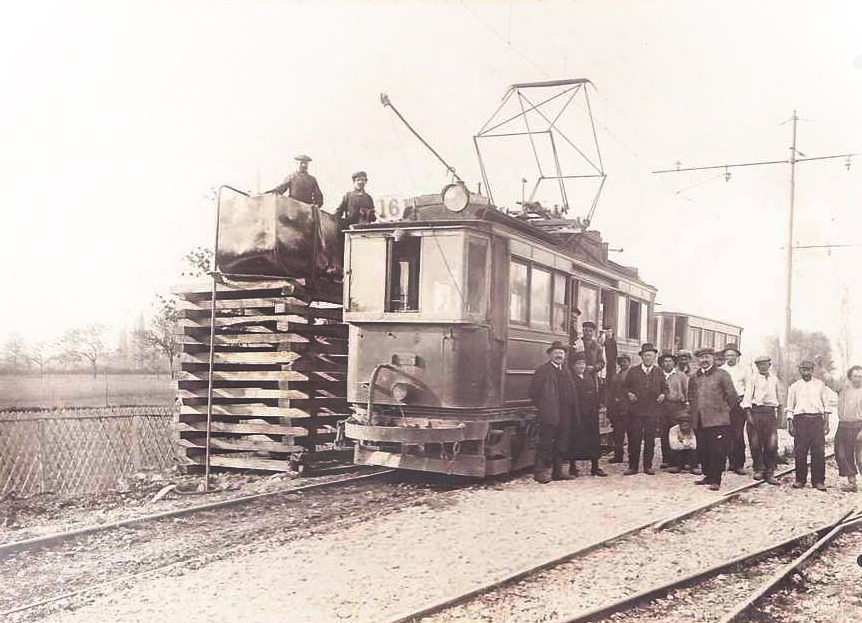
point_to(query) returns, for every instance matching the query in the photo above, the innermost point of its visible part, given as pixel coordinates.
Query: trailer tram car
(450, 310)
(675, 331)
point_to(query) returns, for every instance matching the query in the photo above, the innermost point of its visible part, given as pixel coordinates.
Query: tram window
(634, 320)
(518, 284)
(694, 337)
(560, 310)
(609, 309)
(540, 299)
(403, 279)
(477, 278)
(667, 333)
(708, 339)
(588, 302)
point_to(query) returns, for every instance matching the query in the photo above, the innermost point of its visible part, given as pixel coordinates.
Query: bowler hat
(763, 359)
(302, 158)
(359, 174)
(557, 346)
(706, 350)
(646, 348)
(732, 347)
(588, 324)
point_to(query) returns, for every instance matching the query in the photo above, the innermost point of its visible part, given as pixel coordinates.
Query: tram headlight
(456, 197)
(400, 392)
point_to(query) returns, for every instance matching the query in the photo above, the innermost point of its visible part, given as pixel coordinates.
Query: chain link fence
(83, 451)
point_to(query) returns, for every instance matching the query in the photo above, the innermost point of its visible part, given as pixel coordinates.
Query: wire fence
(83, 451)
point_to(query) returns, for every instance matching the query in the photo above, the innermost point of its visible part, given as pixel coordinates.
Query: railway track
(521, 595)
(99, 558)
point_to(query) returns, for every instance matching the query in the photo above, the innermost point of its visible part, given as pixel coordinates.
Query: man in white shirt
(761, 406)
(736, 435)
(808, 422)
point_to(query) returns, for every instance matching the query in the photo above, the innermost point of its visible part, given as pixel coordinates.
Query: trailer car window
(477, 278)
(403, 278)
(634, 320)
(560, 308)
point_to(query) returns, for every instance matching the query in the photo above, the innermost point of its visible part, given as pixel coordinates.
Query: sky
(119, 118)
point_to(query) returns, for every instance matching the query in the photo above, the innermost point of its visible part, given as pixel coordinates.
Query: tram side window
(560, 310)
(634, 320)
(403, 279)
(477, 279)
(540, 299)
(518, 284)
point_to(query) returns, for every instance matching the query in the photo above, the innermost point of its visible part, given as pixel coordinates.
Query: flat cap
(706, 350)
(622, 358)
(359, 174)
(303, 158)
(763, 359)
(589, 324)
(684, 353)
(579, 355)
(806, 363)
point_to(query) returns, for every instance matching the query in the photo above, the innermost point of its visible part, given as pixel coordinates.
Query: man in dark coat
(711, 396)
(553, 392)
(585, 444)
(618, 406)
(357, 206)
(301, 185)
(646, 389)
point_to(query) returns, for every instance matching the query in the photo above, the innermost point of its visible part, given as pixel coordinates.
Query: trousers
(763, 439)
(641, 429)
(714, 452)
(809, 435)
(668, 420)
(553, 442)
(619, 423)
(848, 448)
(736, 439)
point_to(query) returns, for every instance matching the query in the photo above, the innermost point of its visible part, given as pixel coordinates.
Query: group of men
(701, 412)
(356, 207)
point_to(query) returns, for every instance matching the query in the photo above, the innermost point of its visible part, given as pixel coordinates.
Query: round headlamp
(400, 392)
(456, 197)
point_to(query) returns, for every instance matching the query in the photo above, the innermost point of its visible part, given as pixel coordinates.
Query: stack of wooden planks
(279, 376)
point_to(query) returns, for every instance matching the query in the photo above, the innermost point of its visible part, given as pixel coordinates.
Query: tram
(675, 331)
(450, 309)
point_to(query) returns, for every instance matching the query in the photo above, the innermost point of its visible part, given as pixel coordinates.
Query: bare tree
(40, 354)
(161, 335)
(86, 343)
(15, 352)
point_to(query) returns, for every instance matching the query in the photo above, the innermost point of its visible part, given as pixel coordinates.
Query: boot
(561, 472)
(573, 469)
(542, 473)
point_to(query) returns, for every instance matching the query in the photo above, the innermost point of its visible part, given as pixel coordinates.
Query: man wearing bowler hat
(736, 436)
(711, 395)
(357, 206)
(553, 392)
(762, 404)
(300, 184)
(646, 389)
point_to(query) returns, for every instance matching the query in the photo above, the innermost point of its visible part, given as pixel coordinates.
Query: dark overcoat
(554, 394)
(647, 388)
(585, 440)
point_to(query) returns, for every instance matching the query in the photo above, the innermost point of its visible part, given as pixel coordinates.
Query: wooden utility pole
(792, 161)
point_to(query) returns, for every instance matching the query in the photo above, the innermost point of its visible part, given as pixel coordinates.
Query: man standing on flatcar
(300, 184)
(618, 407)
(357, 206)
(646, 390)
(553, 392)
(736, 436)
(585, 441)
(711, 395)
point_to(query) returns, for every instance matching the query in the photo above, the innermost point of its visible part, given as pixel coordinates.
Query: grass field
(82, 390)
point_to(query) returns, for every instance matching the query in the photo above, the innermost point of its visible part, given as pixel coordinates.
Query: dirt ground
(402, 559)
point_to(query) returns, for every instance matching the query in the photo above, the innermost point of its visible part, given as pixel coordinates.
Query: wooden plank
(264, 339)
(275, 303)
(246, 392)
(239, 444)
(291, 313)
(268, 357)
(219, 460)
(249, 376)
(300, 403)
(250, 427)
(244, 411)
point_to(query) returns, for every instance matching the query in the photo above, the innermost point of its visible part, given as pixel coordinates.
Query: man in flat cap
(595, 356)
(736, 437)
(808, 423)
(618, 407)
(675, 402)
(762, 404)
(711, 396)
(300, 184)
(553, 392)
(646, 389)
(357, 206)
